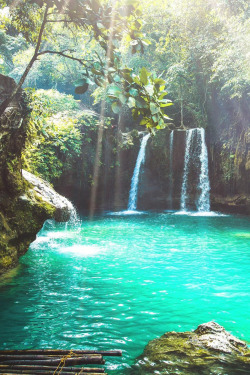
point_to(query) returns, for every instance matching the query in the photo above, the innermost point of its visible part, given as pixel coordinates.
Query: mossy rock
(206, 351)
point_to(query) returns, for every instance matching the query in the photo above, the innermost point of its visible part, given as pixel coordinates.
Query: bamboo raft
(53, 362)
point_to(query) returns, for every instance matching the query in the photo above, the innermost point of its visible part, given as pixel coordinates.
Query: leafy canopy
(110, 24)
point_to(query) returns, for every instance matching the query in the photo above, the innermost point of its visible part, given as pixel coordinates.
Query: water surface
(121, 280)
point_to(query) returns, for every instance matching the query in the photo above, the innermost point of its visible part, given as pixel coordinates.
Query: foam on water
(200, 213)
(81, 250)
(126, 212)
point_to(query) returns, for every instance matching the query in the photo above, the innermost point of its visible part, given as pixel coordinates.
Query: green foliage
(54, 135)
(145, 93)
(110, 26)
(199, 47)
(50, 102)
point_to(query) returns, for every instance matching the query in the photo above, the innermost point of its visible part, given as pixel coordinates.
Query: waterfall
(170, 195)
(132, 203)
(196, 156)
(74, 219)
(189, 136)
(204, 185)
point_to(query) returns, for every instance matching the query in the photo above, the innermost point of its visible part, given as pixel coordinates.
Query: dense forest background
(91, 77)
(199, 47)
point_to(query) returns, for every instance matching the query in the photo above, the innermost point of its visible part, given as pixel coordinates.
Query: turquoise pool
(118, 281)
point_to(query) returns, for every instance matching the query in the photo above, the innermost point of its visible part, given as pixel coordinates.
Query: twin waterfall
(196, 155)
(132, 202)
(195, 163)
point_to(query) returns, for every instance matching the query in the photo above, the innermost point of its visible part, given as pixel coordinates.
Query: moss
(22, 212)
(183, 353)
(24, 219)
(6, 261)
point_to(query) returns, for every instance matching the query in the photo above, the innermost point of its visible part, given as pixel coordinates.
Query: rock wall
(23, 207)
(154, 188)
(229, 164)
(228, 138)
(228, 141)
(116, 165)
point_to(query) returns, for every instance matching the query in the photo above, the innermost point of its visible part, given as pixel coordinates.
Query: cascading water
(74, 219)
(189, 136)
(204, 185)
(170, 195)
(132, 203)
(196, 155)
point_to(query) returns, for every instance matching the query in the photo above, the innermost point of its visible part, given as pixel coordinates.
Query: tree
(37, 19)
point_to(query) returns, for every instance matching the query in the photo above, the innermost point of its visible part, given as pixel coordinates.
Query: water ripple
(123, 280)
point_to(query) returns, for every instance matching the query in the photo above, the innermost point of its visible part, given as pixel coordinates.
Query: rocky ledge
(25, 217)
(210, 349)
(43, 190)
(26, 201)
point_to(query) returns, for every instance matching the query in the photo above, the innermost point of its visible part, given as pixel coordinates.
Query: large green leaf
(131, 102)
(150, 89)
(133, 92)
(114, 91)
(144, 76)
(81, 89)
(116, 107)
(154, 108)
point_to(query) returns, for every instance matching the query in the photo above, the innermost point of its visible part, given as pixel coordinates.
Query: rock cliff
(25, 201)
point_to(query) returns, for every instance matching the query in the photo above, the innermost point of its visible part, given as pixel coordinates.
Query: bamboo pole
(47, 373)
(36, 372)
(112, 353)
(10, 357)
(50, 368)
(87, 359)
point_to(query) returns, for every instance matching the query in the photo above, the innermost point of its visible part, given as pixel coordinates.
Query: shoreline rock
(25, 217)
(25, 203)
(42, 189)
(210, 349)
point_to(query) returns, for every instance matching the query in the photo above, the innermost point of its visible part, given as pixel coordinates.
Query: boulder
(210, 349)
(42, 189)
(25, 215)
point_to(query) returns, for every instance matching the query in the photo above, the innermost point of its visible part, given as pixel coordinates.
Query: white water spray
(204, 185)
(132, 202)
(193, 152)
(189, 136)
(74, 219)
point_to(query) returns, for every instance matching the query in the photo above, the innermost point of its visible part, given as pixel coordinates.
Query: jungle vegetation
(122, 56)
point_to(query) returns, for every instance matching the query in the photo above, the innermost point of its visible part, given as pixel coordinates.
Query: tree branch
(62, 54)
(69, 21)
(7, 101)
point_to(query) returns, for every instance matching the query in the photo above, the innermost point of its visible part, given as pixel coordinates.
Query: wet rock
(25, 201)
(210, 349)
(42, 189)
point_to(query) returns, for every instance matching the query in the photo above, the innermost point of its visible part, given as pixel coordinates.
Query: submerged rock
(210, 349)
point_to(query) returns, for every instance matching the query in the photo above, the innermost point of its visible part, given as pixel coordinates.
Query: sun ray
(96, 171)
